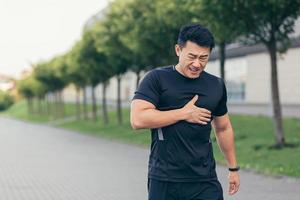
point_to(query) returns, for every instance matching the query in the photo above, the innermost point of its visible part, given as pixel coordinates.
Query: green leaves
(30, 87)
(268, 21)
(6, 100)
(51, 73)
(107, 34)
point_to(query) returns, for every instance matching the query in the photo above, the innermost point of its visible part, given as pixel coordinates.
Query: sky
(35, 30)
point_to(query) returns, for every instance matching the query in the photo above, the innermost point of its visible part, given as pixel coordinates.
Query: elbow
(139, 119)
(135, 124)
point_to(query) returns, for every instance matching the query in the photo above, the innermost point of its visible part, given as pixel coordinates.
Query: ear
(177, 50)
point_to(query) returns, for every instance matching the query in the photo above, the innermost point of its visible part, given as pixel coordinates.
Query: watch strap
(234, 169)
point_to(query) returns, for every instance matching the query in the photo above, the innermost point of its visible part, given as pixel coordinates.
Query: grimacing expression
(192, 59)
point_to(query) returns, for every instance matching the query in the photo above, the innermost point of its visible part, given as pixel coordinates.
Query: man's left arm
(225, 137)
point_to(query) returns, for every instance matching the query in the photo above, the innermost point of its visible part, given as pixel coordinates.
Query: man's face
(192, 59)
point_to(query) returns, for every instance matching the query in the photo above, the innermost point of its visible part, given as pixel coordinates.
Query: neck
(178, 68)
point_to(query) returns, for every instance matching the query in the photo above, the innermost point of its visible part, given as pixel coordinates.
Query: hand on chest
(177, 97)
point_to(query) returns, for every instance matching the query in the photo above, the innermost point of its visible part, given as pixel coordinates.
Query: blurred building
(248, 77)
(26, 72)
(7, 83)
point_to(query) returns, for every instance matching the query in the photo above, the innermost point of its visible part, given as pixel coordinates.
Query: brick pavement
(40, 162)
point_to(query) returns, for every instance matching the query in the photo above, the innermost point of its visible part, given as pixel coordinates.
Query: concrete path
(40, 162)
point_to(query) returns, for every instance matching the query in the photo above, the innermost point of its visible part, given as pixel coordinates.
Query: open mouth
(194, 69)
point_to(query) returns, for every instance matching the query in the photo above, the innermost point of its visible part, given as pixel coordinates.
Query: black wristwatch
(234, 169)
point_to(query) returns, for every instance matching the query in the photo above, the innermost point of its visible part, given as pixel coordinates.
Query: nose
(197, 63)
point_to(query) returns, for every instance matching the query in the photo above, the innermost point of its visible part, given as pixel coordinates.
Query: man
(179, 103)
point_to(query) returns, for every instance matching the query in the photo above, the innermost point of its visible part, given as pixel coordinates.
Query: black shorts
(164, 190)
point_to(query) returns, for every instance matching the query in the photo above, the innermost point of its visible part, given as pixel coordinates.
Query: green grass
(253, 138)
(19, 110)
(112, 131)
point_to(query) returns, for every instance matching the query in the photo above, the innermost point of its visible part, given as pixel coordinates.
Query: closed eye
(192, 56)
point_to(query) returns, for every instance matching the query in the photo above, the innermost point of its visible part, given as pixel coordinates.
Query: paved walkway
(44, 163)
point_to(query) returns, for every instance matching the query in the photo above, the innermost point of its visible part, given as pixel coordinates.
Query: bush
(6, 100)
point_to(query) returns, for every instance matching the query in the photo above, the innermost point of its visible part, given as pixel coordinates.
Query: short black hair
(196, 33)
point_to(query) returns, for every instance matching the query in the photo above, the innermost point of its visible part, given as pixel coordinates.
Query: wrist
(234, 169)
(182, 114)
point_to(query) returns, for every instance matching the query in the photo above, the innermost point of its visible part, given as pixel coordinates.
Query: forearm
(145, 115)
(153, 118)
(225, 140)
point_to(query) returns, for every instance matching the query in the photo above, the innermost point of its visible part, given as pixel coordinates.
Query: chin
(193, 76)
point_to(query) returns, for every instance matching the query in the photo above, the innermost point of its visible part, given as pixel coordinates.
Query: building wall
(258, 78)
(257, 71)
(127, 87)
(253, 70)
(235, 74)
(289, 77)
(258, 88)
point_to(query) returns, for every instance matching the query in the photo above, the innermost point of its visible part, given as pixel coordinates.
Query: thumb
(195, 98)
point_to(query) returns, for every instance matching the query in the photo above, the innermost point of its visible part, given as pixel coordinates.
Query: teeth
(194, 70)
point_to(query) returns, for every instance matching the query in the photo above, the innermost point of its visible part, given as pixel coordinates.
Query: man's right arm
(143, 114)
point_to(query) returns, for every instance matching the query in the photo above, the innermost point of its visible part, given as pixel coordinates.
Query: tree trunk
(33, 106)
(277, 115)
(52, 104)
(56, 99)
(29, 105)
(47, 104)
(52, 101)
(39, 105)
(119, 106)
(78, 114)
(94, 103)
(104, 105)
(138, 78)
(85, 110)
(62, 104)
(59, 105)
(222, 54)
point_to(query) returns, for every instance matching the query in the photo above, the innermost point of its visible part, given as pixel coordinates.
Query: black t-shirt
(182, 151)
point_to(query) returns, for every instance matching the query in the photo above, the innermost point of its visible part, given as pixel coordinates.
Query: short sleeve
(148, 88)
(221, 108)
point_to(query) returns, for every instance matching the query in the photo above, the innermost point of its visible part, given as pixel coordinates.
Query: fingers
(205, 112)
(201, 116)
(197, 114)
(201, 122)
(234, 183)
(194, 99)
(204, 116)
(203, 119)
(233, 188)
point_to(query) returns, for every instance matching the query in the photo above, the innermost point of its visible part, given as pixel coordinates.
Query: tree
(6, 100)
(59, 66)
(216, 15)
(39, 90)
(94, 66)
(75, 76)
(107, 35)
(137, 21)
(152, 30)
(269, 22)
(51, 74)
(29, 87)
